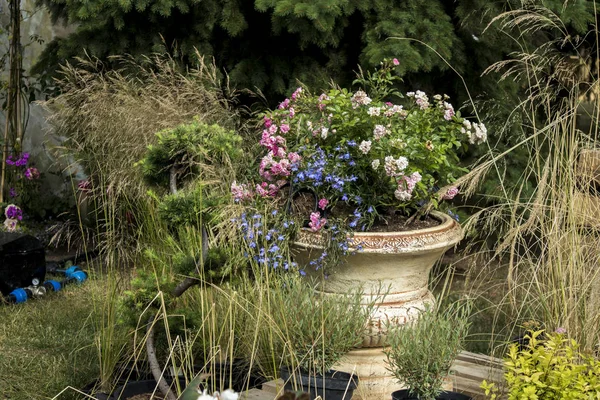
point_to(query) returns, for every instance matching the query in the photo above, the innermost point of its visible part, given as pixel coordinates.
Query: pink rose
(296, 93)
(323, 203)
(284, 128)
(316, 222)
(240, 192)
(284, 104)
(453, 191)
(395, 61)
(294, 157)
(268, 122)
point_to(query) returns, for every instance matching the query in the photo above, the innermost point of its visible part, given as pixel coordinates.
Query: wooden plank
(257, 394)
(477, 372)
(480, 359)
(273, 387)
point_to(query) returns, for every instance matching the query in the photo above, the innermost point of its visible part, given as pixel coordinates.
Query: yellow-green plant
(549, 367)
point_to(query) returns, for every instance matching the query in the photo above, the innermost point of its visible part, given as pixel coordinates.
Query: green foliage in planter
(549, 367)
(319, 329)
(421, 353)
(192, 149)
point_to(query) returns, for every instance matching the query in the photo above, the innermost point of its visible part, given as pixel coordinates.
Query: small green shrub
(549, 367)
(421, 353)
(192, 149)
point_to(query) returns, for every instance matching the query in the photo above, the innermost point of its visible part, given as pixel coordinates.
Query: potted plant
(421, 353)
(368, 170)
(317, 331)
(368, 174)
(548, 366)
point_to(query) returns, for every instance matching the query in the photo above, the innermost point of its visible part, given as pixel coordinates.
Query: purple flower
(453, 215)
(21, 162)
(13, 212)
(32, 173)
(561, 331)
(12, 192)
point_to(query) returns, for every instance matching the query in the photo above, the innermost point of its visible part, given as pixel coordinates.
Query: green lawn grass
(47, 345)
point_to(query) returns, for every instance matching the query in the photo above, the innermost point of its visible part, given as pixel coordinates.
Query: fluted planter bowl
(395, 263)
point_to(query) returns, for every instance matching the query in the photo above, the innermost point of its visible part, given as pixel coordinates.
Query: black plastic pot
(135, 388)
(405, 395)
(237, 375)
(22, 260)
(335, 385)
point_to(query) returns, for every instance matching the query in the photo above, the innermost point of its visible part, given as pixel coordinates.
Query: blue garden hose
(52, 285)
(18, 296)
(73, 274)
(76, 273)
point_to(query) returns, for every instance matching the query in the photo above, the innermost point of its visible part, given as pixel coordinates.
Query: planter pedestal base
(376, 382)
(396, 264)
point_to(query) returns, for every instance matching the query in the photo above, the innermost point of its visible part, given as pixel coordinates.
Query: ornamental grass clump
(370, 152)
(319, 329)
(421, 353)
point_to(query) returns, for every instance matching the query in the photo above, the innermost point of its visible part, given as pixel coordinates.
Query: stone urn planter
(396, 263)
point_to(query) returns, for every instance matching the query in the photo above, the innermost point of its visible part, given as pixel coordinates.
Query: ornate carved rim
(444, 235)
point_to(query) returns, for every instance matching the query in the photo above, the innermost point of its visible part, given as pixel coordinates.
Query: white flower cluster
(360, 98)
(406, 185)
(395, 109)
(402, 194)
(225, 395)
(380, 131)
(374, 111)
(375, 164)
(477, 132)
(420, 98)
(394, 167)
(365, 146)
(448, 111)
